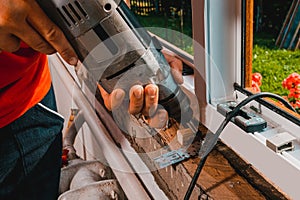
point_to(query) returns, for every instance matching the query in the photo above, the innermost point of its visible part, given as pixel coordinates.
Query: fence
(163, 7)
(145, 7)
(171, 15)
(289, 36)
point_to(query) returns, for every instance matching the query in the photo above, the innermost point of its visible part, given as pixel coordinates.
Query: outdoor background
(272, 62)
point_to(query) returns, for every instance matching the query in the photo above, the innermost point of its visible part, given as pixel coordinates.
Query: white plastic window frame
(217, 26)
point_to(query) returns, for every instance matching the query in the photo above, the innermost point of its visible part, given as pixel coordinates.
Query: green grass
(274, 64)
(170, 30)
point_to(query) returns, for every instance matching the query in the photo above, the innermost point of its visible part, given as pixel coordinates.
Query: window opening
(271, 42)
(170, 20)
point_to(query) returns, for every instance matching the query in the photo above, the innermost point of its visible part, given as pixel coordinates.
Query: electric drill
(116, 50)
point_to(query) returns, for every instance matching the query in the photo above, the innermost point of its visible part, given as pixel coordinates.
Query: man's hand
(25, 21)
(144, 100)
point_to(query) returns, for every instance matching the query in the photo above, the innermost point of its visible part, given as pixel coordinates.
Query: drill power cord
(212, 139)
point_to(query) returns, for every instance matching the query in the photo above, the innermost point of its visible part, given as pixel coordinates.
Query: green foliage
(274, 65)
(169, 29)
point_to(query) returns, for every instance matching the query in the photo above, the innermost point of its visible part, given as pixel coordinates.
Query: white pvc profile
(128, 181)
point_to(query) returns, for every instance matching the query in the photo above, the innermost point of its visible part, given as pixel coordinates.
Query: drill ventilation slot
(73, 13)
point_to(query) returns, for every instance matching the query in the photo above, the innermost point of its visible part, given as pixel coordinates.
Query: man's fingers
(9, 42)
(113, 100)
(159, 120)
(176, 66)
(117, 97)
(51, 33)
(151, 100)
(105, 96)
(174, 62)
(177, 75)
(136, 95)
(29, 35)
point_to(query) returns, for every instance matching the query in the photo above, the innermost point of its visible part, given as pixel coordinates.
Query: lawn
(274, 64)
(170, 29)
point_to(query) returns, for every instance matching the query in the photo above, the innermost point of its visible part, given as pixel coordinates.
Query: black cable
(202, 162)
(288, 115)
(262, 95)
(227, 119)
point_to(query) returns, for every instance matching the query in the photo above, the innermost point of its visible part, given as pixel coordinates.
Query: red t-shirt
(24, 81)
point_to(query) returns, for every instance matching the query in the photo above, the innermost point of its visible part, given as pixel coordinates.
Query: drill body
(116, 51)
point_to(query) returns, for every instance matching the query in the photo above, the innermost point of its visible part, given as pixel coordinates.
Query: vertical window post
(248, 42)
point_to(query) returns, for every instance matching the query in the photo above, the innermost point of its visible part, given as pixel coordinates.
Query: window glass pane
(275, 53)
(169, 19)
